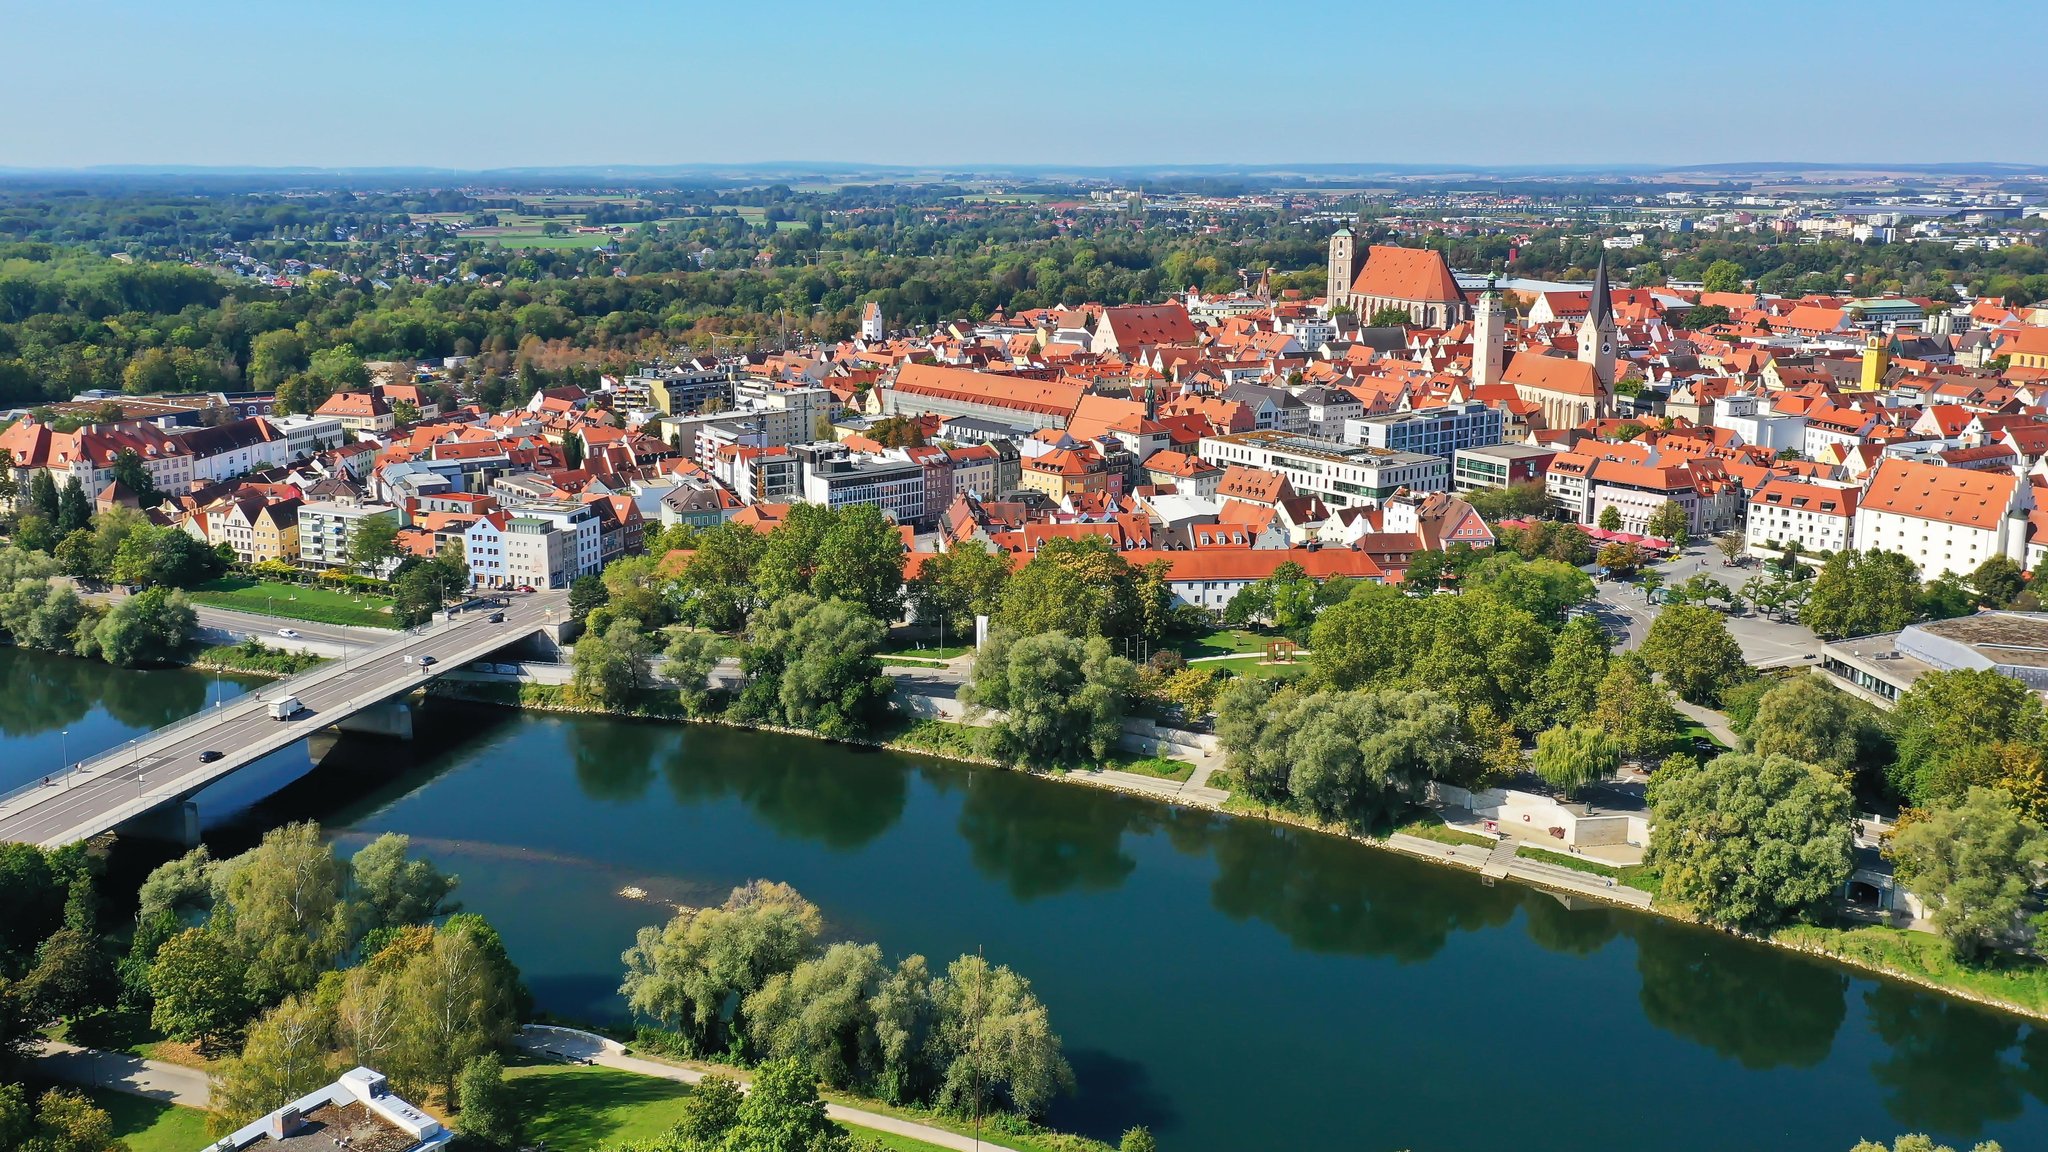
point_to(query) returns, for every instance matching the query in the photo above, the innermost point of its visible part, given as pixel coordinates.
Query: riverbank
(1921, 960)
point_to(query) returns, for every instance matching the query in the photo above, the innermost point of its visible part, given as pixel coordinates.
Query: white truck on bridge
(285, 707)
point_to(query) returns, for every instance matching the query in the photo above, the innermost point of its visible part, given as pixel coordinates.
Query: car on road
(496, 618)
(209, 756)
(288, 633)
(428, 661)
(526, 587)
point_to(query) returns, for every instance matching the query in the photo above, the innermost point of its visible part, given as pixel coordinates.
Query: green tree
(1809, 720)
(199, 989)
(1670, 522)
(339, 369)
(1609, 519)
(1138, 1140)
(1079, 587)
(586, 594)
(280, 907)
(608, 669)
(1635, 708)
(72, 976)
(1704, 316)
(1568, 759)
(1722, 276)
(64, 1122)
(902, 1012)
(693, 974)
(812, 664)
(688, 664)
(1390, 317)
(289, 1052)
(457, 1000)
(489, 1112)
(131, 473)
(716, 588)
(1862, 593)
(373, 542)
(993, 1043)
(959, 584)
(1546, 589)
(1998, 581)
(1975, 865)
(819, 1015)
(151, 627)
(634, 586)
(1945, 719)
(1063, 699)
(859, 559)
(1570, 689)
(1689, 645)
(32, 896)
(418, 593)
(42, 496)
(392, 891)
(1515, 502)
(1748, 841)
(709, 1112)
(783, 1113)
(275, 355)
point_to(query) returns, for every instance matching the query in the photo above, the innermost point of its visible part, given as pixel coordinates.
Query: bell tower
(1343, 270)
(1489, 337)
(1597, 330)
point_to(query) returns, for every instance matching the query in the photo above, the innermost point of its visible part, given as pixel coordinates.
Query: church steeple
(1597, 332)
(1601, 310)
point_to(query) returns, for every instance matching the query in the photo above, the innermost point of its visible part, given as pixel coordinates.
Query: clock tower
(1597, 334)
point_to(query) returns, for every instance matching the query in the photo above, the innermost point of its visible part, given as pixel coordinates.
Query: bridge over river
(147, 782)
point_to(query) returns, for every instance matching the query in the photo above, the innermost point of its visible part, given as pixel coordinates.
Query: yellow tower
(1877, 360)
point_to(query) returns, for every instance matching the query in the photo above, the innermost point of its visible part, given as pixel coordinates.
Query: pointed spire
(1601, 309)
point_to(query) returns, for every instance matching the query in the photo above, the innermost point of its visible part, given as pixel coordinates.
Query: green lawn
(906, 662)
(146, 1125)
(572, 1107)
(1575, 863)
(1255, 666)
(923, 651)
(2012, 979)
(1165, 768)
(1429, 827)
(1224, 642)
(320, 605)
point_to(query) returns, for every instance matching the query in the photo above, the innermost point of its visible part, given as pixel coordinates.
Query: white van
(285, 707)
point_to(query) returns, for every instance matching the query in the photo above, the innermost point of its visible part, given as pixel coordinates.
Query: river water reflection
(1233, 984)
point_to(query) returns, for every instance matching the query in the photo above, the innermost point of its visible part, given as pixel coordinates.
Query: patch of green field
(1224, 642)
(1255, 666)
(1430, 828)
(1162, 767)
(146, 1125)
(292, 602)
(922, 651)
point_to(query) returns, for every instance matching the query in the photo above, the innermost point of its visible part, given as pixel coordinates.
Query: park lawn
(1224, 642)
(573, 1107)
(918, 650)
(1429, 827)
(292, 602)
(1575, 863)
(146, 1125)
(906, 662)
(1256, 667)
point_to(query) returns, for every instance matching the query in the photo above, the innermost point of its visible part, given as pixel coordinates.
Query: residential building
(1440, 431)
(1500, 466)
(1816, 517)
(363, 413)
(834, 477)
(1343, 475)
(326, 528)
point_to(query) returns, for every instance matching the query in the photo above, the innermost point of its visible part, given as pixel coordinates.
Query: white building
(1757, 422)
(358, 1111)
(326, 528)
(1946, 520)
(1345, 476)
(1815, 517)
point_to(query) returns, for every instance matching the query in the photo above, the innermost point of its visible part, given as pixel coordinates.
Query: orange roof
(1005, 390)
(1135, 324)
(1818, 498)
(1958, 496)
(1552, 374)
(1406, 274)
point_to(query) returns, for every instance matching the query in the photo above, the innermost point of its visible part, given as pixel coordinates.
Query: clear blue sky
(456, 83)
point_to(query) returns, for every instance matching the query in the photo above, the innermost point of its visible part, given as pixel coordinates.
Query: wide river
(1233, 984)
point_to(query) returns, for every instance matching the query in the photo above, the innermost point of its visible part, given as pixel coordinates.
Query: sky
(516, 83)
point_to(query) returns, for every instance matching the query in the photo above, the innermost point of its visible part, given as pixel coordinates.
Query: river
(1235, 985)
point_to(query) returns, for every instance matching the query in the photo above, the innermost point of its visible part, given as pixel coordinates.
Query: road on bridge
(158, 769)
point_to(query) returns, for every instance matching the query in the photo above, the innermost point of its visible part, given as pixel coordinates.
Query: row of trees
(751, 980)
(38, 611)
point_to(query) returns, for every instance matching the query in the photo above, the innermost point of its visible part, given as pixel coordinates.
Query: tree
(1670, 522)
(280, 907)
(1731, 546)
(1975, 865)
(131, 473)
(634, 586)
(32, 897)
(489, 1111)
(64, 1121)
(74, 509)
(819, 1015)
(1570, 688)
(1704, 316)
(392, 891)
(1916, 1142)
(586, 594)
(1998, 581)
(150, 627)
(959, 584)
(1809, 720)
(709, 1112)
(812, 665)
(458, 1000)
(992, 1041)
(716, 588)
(149, 556)
(199, 989)
(1689, 645)
(1515, 502)
(1622, 559)
(1138, 1140)
(782, 1113)
(373, 542)
(290, 1052)
(1079, 587)
(1861, 593)
(1063, 699)
(1609, 519)
(417, 593)
(608, 669)
(275, 355)
(902, 1014)
(72, 977)
(1945, 719)
(689, 662)
(693, 974)
(1546, 589)
(1747, 841)
(1722, 276)
(1635, 708)
(1390, 317)
(1568, 759)
(42, 496)
(851, 553)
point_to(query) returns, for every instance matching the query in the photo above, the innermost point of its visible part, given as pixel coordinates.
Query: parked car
(288, 633)
(496, 618)
(209, 756)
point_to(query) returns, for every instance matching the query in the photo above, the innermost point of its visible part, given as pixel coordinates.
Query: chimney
(283, 1123)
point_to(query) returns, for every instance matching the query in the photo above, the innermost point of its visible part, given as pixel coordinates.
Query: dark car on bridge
(209, 756)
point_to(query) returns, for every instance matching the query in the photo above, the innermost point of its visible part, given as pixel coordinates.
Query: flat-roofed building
(1344, 475)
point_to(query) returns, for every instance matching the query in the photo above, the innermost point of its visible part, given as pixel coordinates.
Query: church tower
(1343, 270)
(1597, 332)
(871, 323)
(1877, 360)
(1489, 338)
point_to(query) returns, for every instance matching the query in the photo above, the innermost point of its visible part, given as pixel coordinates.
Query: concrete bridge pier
(391, 720)
(176, 822)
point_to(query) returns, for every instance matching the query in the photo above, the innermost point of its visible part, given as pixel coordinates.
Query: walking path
(169, 1083)
(571, 1044)
(1714, 722)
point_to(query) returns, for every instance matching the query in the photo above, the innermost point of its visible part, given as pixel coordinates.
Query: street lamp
(64, 743)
